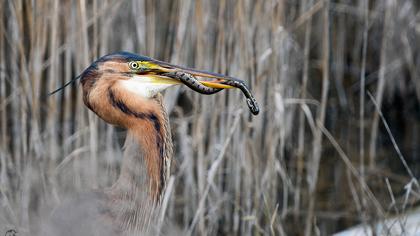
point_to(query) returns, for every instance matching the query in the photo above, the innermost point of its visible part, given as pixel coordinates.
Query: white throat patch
(144, 86)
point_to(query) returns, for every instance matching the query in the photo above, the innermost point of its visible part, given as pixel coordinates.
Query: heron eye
(134, 65)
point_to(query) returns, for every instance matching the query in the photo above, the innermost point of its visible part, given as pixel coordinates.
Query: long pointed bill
(167, 79)
(216, 80)
(200, 81)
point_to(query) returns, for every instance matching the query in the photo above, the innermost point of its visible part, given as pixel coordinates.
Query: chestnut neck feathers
(147, 150)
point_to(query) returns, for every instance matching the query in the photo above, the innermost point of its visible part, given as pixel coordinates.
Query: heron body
(124, 89)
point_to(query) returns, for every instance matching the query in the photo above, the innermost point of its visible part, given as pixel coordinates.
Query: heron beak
(209, 79)
(159, 79)
(164, 73)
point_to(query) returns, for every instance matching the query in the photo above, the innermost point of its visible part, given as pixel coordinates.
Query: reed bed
(336, 143)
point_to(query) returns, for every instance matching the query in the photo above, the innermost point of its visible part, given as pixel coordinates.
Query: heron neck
(147, 156)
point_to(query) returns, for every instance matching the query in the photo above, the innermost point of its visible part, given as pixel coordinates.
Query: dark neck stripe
(151, 117)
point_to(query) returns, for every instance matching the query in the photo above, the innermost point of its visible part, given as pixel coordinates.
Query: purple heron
(123, 89)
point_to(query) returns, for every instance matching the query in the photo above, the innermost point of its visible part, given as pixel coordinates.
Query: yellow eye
(134, 65)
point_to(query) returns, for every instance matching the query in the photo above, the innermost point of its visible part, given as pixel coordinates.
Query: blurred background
(336, 143)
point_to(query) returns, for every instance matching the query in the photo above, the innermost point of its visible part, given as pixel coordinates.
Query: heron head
(131, 78)
(124, 78)
(142, 75)
(136, 74)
